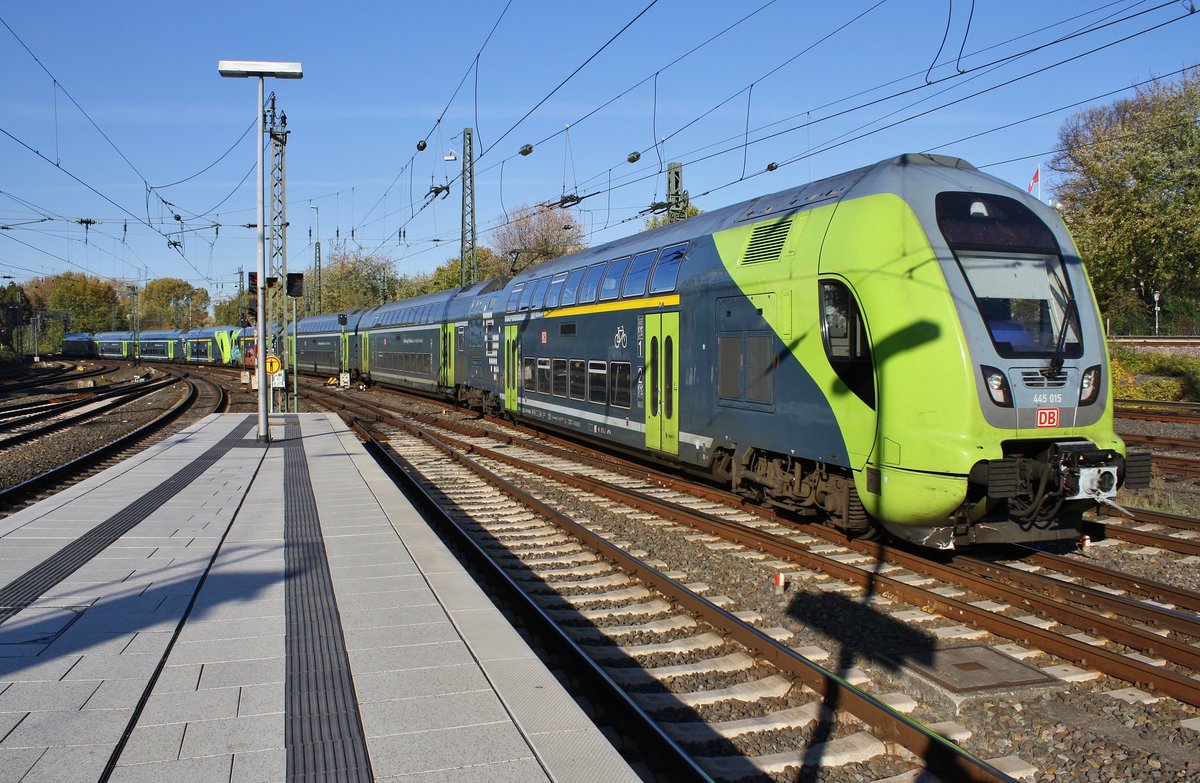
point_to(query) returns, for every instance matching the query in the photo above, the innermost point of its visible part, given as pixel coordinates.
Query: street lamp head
(241, 69)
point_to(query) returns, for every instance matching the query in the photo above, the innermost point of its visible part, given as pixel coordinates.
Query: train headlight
(1089, 386)
(997, 386)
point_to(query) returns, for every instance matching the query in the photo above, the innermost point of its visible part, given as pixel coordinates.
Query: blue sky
(105, 105)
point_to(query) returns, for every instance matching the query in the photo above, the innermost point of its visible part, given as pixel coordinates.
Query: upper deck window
(610, 288)
(666, 272)
(591, 283)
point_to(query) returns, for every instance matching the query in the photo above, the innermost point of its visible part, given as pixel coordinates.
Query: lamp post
(243, 69)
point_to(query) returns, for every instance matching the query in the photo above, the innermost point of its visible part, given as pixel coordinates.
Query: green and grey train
(912, 346)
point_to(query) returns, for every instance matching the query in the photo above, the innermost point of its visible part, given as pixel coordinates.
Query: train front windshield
(1016, 274)
(1025, 302)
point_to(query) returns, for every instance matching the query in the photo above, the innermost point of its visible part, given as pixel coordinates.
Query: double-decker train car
(114, 345)
(160, 345)
(327, 344)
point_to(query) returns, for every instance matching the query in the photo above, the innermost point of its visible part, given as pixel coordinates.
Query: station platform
(214, 609)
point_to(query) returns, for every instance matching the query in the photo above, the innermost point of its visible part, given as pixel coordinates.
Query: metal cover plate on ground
(976, 668)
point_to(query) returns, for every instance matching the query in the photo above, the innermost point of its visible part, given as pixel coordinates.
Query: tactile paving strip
(323, 730)
(31, 585)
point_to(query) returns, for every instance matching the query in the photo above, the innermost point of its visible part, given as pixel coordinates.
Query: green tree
(171, 303)
(1129, 182)
(89, 303)
(229, 311)
(352, 279)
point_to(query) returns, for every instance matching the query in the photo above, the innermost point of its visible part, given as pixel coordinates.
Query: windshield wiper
(1060, 344)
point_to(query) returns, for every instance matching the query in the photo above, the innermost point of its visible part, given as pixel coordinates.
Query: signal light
(295, 284)
(252, 282)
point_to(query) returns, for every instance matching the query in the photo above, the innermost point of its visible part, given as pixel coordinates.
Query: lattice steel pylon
(468, 263)
(277, 310)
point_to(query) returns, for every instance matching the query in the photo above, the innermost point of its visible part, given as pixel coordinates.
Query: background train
(913, 346)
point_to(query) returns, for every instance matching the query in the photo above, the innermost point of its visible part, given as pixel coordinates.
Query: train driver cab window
(845, 338)
(591, 283)
(1012, 264)
(666, 272)
(571, 287)
(639, 273)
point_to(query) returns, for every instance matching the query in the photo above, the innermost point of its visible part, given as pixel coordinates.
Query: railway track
(1080, 626)
(201, 398)
(1153, 410)
(730, 697)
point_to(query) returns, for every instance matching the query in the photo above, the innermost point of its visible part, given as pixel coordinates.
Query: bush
(1152, 375)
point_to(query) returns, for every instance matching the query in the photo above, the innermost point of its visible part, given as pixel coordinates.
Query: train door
(662, 382)
(446, 371)
(512, 367)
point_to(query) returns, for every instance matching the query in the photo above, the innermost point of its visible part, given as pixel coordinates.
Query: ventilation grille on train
(1034, 379)
(766, 242)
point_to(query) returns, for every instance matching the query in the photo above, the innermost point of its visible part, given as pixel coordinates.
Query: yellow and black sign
(272, 365)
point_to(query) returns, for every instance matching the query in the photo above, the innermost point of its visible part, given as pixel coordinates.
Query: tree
(353, 279)
(171, 303)
(1130, 180)
(228, 312)
(535, 234)
(89, 303)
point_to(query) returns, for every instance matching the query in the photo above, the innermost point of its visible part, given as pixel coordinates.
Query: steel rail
(940, 755)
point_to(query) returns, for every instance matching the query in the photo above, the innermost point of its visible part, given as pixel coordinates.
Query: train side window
(598, 382)
(639, 273)
(845, 338)
(610, 288)
(578, 379)
(528, 376)
(559, 378)
(591, 283)
(620, 390)
(539, 294)
(555, 290)
(571, 287)
(514, 297)
(543, 376)
(527, 295)
(666, 271)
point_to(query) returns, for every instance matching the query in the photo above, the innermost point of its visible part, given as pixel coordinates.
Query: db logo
(1047, 417)
(543, 337)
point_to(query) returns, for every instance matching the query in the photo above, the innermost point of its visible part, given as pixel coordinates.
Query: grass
(1153, 375)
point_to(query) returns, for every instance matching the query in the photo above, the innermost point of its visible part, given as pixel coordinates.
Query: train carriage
(160, 345)
(410, 344)
(114, 345)
(328, 344)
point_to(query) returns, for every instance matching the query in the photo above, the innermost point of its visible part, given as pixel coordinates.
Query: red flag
(1037, 175)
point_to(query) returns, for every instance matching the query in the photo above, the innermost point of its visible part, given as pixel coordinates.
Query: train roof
(892, 175)
(159, 334)
(426, 308)
(77, 336)
(327, 322)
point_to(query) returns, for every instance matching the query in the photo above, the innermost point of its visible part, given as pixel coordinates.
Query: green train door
(662, 382)
(512, 367)
(446, 377)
